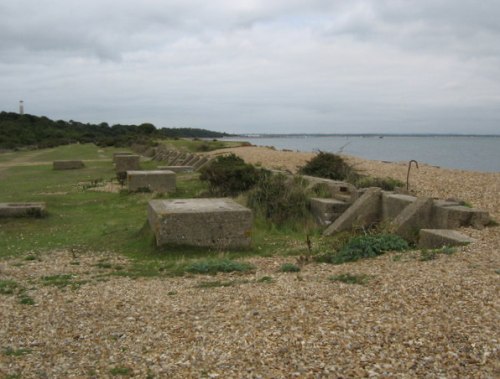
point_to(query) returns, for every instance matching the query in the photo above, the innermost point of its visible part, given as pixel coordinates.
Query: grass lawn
(82, 219)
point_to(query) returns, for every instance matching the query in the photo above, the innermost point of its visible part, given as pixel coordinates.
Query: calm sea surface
(465, 153)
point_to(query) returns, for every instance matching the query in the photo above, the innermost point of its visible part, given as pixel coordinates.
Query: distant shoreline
(291, 135)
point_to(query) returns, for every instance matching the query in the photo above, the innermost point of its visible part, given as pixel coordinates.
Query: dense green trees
(27, 130)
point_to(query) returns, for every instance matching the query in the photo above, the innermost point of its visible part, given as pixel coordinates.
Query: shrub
(365, 247)
(229, 175)
(330, 166)
(280, 199)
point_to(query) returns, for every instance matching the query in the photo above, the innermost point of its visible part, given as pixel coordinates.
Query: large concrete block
(363, 212)
(414, 217)
(67, 165)
(176, 168)
(327, 210)
(220, 222)
(157, 180)
(455, 216)
(22, 209)
(125, 163)
(436, 238)
(393, 204)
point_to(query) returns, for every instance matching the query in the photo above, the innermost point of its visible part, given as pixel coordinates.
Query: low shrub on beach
(366, 246)
(387, 184)
(329, 166)
(229, 175)
(280, 199)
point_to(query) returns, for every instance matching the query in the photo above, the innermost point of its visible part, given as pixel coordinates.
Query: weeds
(362, 247)
(8, 287)
(350, 279)
(330, 166)
(120, 371)
(265, 279)
(431, 254)
(221, 265)
(218, 283)
(9, 351)
(289, 267)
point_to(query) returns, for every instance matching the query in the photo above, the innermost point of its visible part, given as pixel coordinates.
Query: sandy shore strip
(413, 319)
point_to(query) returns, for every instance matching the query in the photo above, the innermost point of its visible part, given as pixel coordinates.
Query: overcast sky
(256, 66)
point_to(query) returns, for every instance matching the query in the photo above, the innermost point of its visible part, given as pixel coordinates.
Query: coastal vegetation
(20, 131)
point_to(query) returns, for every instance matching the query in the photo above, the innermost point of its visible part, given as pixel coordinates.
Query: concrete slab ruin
(327, 210)
(437, 238)
(67, 165)
(125, 163)
(219, 222)
(412, 218)
(156, 181)
(35, 209)
(364, 212)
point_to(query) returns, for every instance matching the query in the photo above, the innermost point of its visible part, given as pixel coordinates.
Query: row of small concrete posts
(178, 161)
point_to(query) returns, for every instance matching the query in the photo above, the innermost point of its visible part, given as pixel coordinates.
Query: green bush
(365, 247)
(330, 166)
(229, 175)
(280, 199)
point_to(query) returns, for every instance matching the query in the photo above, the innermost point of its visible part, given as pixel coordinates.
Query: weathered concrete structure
(125, 163)
(412, 218)
(67, 165)
(327, 210)
(156, 180)
(219, 223)
(436, 238)
(176, 168)
(362, 213)
(121, 154)
(22, 209)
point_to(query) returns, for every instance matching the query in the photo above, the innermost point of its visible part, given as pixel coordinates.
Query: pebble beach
(435, 319)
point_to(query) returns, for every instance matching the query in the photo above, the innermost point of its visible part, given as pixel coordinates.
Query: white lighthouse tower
(21, 107)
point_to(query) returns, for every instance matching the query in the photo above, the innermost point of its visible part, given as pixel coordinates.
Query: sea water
(473, 153)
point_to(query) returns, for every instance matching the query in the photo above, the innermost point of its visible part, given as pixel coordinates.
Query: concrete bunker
(214, 222)
(35, 209)
(154, 180)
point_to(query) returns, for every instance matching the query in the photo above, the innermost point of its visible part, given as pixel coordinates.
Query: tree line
(27, 130)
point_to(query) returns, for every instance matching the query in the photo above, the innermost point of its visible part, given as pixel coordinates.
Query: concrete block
(125, 163)
(437, 238)
(157, 180)
(393, 204)
(219, 222)
(176, 168)
(327, 210)
(22, 209)
(120, 154)
(363, 212)
(456, 216)
(67, 165)
(414, 217)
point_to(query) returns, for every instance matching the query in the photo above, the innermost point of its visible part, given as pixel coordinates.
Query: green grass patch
(220, 283)
(120, 371)
(431, 254)
(11, 352)
(201, 145)
(8, 287)
(289, 267)
(214, 266)
(265, 279)
(350, 279)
